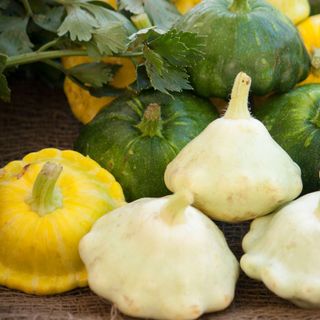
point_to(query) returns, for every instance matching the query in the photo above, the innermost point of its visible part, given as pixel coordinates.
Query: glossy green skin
(262, 42)
(138, 162)
(293, 120)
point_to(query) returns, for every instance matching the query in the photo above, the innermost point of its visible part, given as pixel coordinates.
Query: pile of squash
(161, 255)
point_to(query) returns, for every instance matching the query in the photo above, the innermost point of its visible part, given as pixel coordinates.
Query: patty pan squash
(245, 35)
(310, 33)
(234, 168)
(48, 202)
(184, 6)
(136, 137)
(295, 10)
(160, 259)
(282, 250)
(85, 106)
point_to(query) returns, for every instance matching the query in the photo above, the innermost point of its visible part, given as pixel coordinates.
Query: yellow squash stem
(240, 6)
(238, 105)
(141, 21)
(151, 123)
(46, 197)
(173, 211)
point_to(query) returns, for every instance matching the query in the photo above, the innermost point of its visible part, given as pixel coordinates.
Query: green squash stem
(46, 197)
(238, 105)
(151, 123)
(240, 6)
(173, 211)
(141, 21)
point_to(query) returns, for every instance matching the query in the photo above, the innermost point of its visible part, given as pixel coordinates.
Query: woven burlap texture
(39, 117)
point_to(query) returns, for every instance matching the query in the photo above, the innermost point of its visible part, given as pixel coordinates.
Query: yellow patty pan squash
(310, 33)
(83, 105)
(184, 6)
(295, 10)
(48, 201)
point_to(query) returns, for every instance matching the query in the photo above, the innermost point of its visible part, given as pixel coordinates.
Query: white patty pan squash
(234, 168)
(161, 259)
(283, 251)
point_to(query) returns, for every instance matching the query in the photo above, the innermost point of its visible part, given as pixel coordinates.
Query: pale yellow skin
(155, 264)
(39, 255)
(283, 251)
(295, 10)
(234, 168)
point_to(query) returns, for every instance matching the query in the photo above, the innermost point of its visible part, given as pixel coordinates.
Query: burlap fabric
(39, 117)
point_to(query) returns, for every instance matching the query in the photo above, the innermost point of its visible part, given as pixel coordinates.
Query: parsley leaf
(13, 35)
(179, 48)
(79, 23)
(167, 56)
(164, 76)
(111, 38)
(162, 13)
(49, 20)
(4, 89)
(95, 74)
(85, 19)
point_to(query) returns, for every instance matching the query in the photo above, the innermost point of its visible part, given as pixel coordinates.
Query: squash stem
(151, 123)
(315, 61)
(240, 6)
(173, 211)
(141, 21)
(46, 197)
(238, 105)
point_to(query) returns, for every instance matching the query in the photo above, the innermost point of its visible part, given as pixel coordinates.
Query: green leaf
(162, 13)
(111, 39)
(95, 74)
(179, 48)
(49, 20)
(163, 76)
(14, 42)
(4, 89)
(14, 39)
(79, 23)
(143, 81)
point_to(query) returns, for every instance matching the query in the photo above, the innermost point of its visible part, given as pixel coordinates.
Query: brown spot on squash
(23, 171)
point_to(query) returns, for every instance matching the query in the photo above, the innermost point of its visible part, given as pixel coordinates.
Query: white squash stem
(173, 212)
(238, 105)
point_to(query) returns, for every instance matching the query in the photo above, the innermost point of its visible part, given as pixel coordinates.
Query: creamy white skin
(234, 168)
(160, 259)
(283, 251)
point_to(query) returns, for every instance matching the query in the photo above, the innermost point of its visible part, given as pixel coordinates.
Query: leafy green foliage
(4, 89)
(13, 35)
(43, 30)
(49, 20)
(167, 56)
(162, 13)
(95, 74)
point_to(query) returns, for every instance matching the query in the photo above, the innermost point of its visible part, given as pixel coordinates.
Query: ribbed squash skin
(293, 120)
(137, 160)
(261, 42)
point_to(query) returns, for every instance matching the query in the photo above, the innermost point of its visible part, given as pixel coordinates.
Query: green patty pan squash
(293, 120)
(245, 35)
(135, 138)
